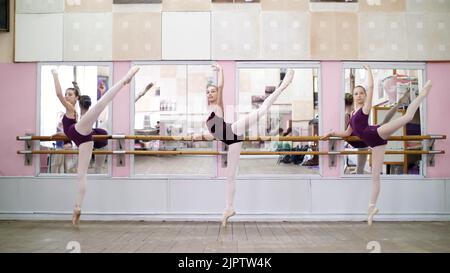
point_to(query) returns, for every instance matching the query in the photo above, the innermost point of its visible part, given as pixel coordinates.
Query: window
(175, 106)
(294, 113)
(4, 15)
(334, 5)
(395, 86)
(93, 81)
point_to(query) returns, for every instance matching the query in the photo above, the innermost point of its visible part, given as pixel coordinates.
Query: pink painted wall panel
(121, 118)
(17, 115)
(438, 107)
(331, 79)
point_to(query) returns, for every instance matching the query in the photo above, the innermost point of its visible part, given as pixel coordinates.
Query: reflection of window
(334, 5)
(93, 81)
(394, 88)
(293, 114)
(175, 106)
(147, 122)
(4, 15)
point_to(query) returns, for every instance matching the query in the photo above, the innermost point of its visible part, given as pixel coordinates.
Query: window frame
(110, 65)
(132, 121)
(423, 114)
(286, 64)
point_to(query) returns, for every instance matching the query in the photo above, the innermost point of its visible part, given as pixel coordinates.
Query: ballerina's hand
(327, 136)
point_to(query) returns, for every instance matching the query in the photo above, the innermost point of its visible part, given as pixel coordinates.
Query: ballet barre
(181, 152)
(189, 138)
(428, 146)
(121, 153)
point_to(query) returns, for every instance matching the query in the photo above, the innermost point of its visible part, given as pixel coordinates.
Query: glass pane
(294, 113)
(394, 89)
(174, 106)
(93, 82)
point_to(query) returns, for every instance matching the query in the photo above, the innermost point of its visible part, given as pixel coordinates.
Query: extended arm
(368, 103)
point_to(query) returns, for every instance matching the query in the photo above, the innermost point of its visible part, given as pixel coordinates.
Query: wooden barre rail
(100, 152)
(260, 138)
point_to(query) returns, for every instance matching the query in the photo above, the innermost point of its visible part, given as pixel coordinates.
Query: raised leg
(386, 130)
(84, 126)
(238, 127)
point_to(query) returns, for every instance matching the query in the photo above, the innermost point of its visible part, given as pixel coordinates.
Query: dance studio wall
(402, 30)
(19, 88)
(438, 105)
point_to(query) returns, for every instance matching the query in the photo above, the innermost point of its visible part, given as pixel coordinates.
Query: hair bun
(75, 85)
(85, 101)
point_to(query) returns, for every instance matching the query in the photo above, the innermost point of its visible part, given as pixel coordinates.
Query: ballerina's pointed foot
(371, 213)
(149, 86)
(287, 78)
(76, 217)
(426, 88)
(131, 73)
(226, 215)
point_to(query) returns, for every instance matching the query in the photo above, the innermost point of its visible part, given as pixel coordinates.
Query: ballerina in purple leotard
(80, 132)
(376, 136)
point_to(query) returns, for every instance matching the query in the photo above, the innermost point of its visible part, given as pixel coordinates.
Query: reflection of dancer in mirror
(375, 136)
(140, 143)
(80, 132)
(143, 92)
(360, 145)
(232, 133)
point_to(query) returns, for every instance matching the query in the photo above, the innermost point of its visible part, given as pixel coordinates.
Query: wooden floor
(237, 237)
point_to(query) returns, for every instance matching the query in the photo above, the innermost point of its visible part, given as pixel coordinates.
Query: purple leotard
(369, 134)
(72, 134)
(222, 130)
(98, 144)
(355, 144)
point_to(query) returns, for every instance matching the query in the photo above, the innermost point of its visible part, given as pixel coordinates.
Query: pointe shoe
(149, 86)
(226, 215)
(426, 88)
(371, 213)
(76, 217)
(131, 73)
(287, 78)
(405, 100)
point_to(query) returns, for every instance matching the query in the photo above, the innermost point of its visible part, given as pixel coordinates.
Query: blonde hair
(360, 86)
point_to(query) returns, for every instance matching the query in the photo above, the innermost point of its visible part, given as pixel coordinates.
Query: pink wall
(331, 79)
(121, 118)
(438, 106)
(17, 115)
